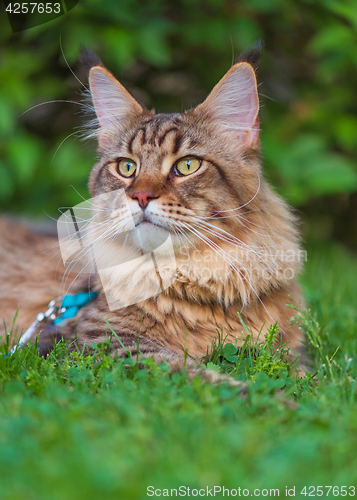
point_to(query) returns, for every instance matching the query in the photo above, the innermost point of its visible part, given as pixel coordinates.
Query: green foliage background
(74, 429)
(170, 54)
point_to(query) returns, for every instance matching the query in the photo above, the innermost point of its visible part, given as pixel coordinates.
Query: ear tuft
(88, 59)
(252, 54)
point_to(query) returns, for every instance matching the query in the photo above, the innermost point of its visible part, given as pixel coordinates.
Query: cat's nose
(143, 197)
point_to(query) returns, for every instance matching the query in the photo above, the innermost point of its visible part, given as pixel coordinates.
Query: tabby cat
(196, 176)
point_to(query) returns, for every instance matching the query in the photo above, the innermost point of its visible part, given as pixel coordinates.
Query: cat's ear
(112, 103)
(233, 105)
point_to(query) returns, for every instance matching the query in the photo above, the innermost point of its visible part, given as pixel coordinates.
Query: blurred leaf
(69, 164)
(212, 366)
(153, 46)
(229, 352)
(344, 9)
(7, 183)
(120, 44)
(7, 121)
(309, 169)
(346, 131)
(229, 349)
(245, 31)
(24, 153)
(332, 38)
(330, 174)
(262, 5)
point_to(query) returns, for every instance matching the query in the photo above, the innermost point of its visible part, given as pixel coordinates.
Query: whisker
(217, 250)
(57, 100)
(62, 142)
(236, 241)
(245, 204)
(241, 276)
(68, 66)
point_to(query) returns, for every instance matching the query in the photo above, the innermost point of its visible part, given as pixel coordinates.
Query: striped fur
(237, 246)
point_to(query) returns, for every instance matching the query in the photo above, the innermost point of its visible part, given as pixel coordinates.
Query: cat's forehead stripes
(161, 131)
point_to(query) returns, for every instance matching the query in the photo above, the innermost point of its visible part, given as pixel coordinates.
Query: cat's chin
(149, 236)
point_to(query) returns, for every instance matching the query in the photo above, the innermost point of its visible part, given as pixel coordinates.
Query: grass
(77, 426)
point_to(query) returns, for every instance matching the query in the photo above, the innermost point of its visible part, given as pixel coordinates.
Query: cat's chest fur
(191, 312)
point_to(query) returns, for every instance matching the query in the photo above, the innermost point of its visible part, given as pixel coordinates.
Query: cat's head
(181, 169)
(196, 177)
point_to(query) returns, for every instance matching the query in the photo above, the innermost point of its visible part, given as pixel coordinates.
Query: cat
(195, 176)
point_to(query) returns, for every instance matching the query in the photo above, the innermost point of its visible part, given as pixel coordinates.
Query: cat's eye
(126, 167)
(188, 165)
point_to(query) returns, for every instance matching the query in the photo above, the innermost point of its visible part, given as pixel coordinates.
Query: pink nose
(143, 197)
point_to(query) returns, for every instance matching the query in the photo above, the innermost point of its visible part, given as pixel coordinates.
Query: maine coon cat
(196, 176)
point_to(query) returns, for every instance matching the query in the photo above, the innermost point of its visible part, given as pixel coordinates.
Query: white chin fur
(149, 237)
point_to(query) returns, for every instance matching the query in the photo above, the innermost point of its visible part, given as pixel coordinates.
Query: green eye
(187, 166)
(126, 167)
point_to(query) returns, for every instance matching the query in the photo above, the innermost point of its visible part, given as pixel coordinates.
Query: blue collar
(69, 309)
(71, 305)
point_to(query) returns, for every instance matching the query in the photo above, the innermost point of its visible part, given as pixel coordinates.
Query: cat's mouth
(144, 221)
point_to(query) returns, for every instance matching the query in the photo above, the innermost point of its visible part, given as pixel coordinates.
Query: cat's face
(192, 179)
(186, 174)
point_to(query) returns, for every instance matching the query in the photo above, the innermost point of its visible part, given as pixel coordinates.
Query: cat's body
(196, 176)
